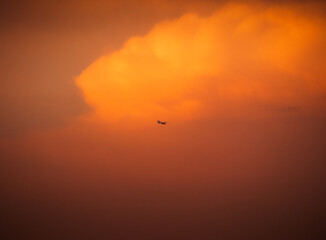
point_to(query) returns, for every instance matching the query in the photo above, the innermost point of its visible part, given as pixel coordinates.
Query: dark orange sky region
(241, 85)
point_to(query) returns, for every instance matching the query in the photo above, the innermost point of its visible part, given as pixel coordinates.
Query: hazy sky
(240, 83)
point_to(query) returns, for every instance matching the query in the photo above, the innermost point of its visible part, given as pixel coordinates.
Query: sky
(241, 85)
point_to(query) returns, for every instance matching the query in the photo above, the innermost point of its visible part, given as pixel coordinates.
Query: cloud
(240, 57)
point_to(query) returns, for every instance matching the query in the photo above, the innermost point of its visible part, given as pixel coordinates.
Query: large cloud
(243, 60)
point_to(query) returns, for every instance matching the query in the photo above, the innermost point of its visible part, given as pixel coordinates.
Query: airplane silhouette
(159, 122)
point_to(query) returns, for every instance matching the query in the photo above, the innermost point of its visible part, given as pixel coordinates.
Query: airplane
(159, 122)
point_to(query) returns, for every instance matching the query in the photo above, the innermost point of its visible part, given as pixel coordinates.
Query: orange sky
(240, 83)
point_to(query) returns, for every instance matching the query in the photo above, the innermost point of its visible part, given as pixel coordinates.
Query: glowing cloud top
(241, 60)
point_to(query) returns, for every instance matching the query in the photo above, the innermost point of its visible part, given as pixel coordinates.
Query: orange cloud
(241, 60)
